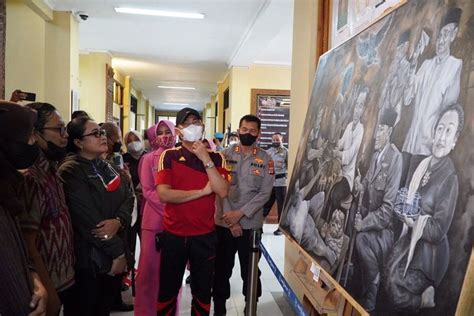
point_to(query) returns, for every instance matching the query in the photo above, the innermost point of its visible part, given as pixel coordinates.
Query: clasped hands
(232, 218)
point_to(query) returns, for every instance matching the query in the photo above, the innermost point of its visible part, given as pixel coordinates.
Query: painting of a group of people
(381, 193)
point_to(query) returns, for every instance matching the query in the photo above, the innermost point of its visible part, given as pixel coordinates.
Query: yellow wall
(244, 79)
(41, 55)
(221, 87)
(208, 121)
(127, 90)
(302, 74)
(92, 90)
(25, 50)
(142, 110)
(119, 77)
(213, 122)
(303, 70)
(61, 61)
(147, 114)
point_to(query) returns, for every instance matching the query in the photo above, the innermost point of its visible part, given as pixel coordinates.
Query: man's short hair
(277, 133)
(250, 118)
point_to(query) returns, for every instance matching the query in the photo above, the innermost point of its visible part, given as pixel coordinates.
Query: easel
(322, 297)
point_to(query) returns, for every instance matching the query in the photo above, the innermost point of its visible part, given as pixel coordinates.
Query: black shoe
(188, 279)
(219, 308)
(124, 307)
(277, 232)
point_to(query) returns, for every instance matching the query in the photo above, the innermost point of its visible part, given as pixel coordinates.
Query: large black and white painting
(381, 193)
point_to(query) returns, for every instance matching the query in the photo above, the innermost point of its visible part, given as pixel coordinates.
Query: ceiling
(184, 52)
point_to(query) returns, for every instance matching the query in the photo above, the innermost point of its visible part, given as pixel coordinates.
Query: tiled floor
(272, 302)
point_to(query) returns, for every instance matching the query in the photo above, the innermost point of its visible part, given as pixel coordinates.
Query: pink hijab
(151, 133)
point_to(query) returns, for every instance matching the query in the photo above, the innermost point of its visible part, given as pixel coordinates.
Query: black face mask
(21, 155)
(275, 144)
(116, 147)
(54, 152)
(247, 139)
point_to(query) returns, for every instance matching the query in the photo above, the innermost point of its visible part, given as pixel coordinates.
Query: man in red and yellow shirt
(189, 178)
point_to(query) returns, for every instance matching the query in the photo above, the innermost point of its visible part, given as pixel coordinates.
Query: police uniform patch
(257, 172)
(271, 167)
(257, 165)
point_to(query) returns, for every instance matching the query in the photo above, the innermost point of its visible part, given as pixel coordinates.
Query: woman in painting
(420, 258)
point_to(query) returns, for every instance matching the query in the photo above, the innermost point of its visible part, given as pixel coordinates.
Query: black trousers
(67, 301)
(278, 194)
(227, 246)
(176, 251)
(93, 293)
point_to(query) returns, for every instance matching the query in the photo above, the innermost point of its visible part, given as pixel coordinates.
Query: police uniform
(279, 156)
(251, 182)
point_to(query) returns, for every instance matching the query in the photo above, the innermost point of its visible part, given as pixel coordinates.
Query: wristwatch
(209, 165)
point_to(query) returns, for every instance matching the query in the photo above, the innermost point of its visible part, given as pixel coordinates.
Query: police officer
(251, 177)
(279, 155)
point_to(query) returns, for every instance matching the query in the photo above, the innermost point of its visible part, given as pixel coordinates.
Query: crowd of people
(76, 196)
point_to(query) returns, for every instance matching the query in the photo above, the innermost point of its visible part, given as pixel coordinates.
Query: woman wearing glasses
(100, 204)
(45, 222)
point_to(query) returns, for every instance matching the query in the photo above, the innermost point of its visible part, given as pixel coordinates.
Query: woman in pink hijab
(161, 137)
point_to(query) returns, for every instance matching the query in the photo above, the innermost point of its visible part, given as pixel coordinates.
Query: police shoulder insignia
(271, 167)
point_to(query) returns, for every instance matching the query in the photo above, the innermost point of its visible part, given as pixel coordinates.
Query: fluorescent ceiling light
(172, 103)
(178, 88)
(173, 14)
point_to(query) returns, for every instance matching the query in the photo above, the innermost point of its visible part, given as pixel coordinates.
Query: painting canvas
(381, 194)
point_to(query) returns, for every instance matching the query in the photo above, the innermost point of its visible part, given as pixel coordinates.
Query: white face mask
(192, 133)
(135, 147)
(233, 142)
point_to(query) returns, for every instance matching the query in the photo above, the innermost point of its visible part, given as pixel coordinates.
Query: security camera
(82, 15)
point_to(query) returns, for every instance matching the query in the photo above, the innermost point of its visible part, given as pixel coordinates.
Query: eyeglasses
(61, 129)
(98, 133)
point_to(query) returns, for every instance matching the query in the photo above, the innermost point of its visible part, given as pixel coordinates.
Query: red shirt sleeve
(219, 162)
(164, 174)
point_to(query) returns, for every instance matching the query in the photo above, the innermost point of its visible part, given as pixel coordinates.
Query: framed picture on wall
(351, 17)
(273, 109)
